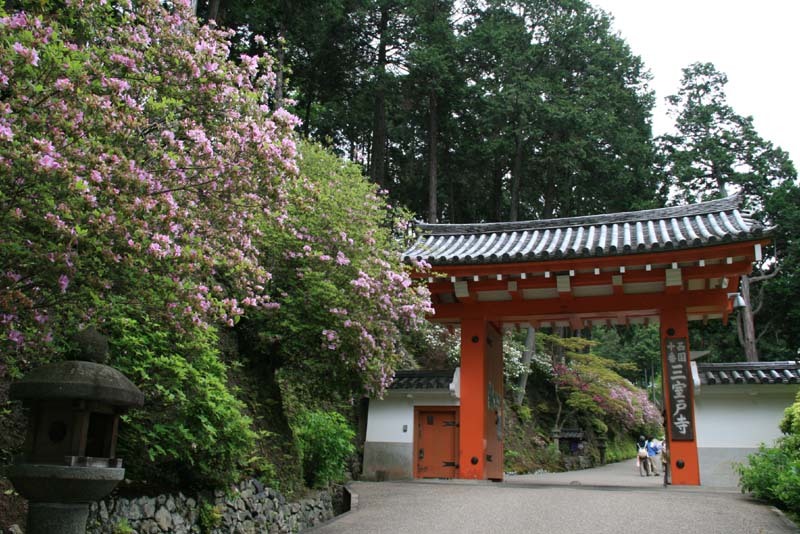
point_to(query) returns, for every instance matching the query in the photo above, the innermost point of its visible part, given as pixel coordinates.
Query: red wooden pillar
(493, 430)
(472, 439)
(679, 396)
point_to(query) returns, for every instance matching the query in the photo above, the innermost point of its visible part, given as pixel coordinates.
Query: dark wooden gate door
(435, 442)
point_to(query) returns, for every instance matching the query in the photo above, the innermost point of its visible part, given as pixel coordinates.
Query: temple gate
(669, 265)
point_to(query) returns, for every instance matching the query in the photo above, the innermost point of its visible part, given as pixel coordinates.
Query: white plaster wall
(386, 417)
(740, 416)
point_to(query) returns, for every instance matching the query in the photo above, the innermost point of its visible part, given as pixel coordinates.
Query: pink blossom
(17, 337)
(341, 259)
(331, 335)
(6, 133)
(47, 162)
(250, 63)
(63, 84)
(16, 21)
(123, 60)
(29, 54)
(63, 283)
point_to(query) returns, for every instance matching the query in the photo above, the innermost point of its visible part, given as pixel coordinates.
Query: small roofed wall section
(389, 446)
(738, 406)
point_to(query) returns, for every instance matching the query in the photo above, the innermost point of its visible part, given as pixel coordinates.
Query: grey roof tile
(694, 225)
(787, 372)
(415, 379)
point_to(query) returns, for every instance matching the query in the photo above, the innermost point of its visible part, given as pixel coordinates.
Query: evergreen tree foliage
(715, 152)
(469, 111)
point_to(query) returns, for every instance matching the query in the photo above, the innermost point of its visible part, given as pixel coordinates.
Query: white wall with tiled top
(388, 448)
(392, 419)
(741, 416)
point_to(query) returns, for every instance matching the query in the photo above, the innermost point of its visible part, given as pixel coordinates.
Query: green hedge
(326, 442)
(192, 430)
(773, 474)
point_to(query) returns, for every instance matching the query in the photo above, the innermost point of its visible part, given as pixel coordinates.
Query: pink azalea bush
(591, 388)
(345, 298)
(149, 186)
(135, 159)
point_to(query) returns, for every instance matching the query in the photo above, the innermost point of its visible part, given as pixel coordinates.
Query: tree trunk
(530, 350)
(748, 339)
(516, 171)
(281, 57)
(451, 190)
(549, 194)
(497, 189)
(433, 135)
(213, 9)
(378, 160)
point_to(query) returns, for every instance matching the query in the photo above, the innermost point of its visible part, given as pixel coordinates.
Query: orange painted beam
(710, 301)
(735, 269)
(707, 253)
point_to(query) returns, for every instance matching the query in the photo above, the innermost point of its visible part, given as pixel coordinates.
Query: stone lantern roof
(77, 380)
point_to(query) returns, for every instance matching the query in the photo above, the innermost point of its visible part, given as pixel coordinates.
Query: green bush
(524, 413)
(123, 527)
(326, 441)
(192, 430)
(773, 474)
(620, 447)
(209, 517)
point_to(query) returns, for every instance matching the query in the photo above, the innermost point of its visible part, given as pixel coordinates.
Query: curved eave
(651, 231)
(492, 259)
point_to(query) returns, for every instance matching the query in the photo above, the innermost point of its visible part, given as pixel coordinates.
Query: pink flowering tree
(135, 159)
(138, 165)
(148, 187)
(346, 302)
(589, 388)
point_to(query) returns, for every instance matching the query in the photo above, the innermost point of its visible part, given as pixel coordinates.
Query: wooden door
(435, 442)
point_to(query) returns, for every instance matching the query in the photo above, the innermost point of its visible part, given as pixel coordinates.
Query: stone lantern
(69, 457)
(602, 445)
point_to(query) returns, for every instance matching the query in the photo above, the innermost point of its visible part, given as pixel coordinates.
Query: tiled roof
(679, 227)
(422, 380)
(749, 373)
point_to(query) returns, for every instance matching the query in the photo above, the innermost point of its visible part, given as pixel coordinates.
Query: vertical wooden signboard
(679, 383)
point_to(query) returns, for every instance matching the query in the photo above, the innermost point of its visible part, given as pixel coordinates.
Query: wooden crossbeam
(590, 279)
(700, 301)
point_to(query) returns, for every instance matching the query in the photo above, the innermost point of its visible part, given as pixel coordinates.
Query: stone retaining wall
(249, 508)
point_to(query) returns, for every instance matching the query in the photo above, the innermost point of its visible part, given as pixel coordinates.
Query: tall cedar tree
(715, 152)
(469, 111)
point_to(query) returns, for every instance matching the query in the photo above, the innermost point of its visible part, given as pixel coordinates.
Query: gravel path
(612, 499)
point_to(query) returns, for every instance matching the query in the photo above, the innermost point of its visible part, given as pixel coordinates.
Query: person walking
(653, 447)
(642, 459)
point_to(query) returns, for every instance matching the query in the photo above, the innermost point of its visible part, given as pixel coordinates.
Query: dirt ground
(13, 508)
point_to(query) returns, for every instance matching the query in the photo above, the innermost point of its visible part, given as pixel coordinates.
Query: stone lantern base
(50, 517)
(59, 496)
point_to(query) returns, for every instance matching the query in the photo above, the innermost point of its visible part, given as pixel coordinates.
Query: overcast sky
(755, 43)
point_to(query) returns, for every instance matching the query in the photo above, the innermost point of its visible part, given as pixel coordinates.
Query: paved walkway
(612, 499)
